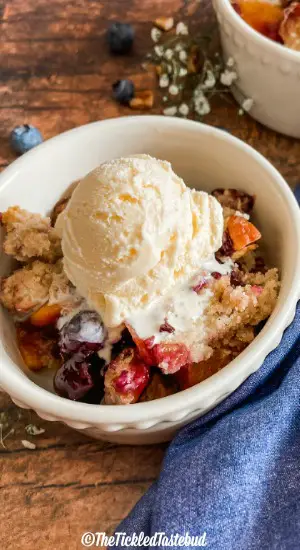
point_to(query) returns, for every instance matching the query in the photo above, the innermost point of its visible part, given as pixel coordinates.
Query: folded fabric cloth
(234, 474)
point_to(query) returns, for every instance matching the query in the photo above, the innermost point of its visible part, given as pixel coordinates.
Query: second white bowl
(268, 73)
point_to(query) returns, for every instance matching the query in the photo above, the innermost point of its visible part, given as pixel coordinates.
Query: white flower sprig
(190, 74)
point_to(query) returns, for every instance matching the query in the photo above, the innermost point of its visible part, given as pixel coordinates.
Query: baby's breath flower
(190, 87)
(31, 429)
(228, 77)
(155, 34)
(182, 55)
(198, 92)
(201, 104)
(173, 90)
(158, 50)
(178, 47)
(210, 80)
(247, 104)
(181, 28)
(170, 111)
(168, 53)
(230, 62)
(164, 81)
(184, 109)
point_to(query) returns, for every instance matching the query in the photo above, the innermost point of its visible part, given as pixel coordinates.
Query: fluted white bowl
(268, 72)
(206, 158)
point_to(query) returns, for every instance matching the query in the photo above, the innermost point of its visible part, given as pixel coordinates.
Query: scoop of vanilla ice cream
(132, 230)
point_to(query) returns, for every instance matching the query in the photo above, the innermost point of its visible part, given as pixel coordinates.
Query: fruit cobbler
(161, 342)
(278, 20)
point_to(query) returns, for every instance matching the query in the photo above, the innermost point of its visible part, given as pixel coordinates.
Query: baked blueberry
(74, 379)
(83, 334)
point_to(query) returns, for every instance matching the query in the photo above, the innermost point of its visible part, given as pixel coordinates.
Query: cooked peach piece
(264, 17)
(242, 232)
(46, 315)
(159, 386)
(36, 348)
(197, 372)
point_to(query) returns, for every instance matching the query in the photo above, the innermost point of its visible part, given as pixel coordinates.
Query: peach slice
(197, 372)
(159, 386)
(35, 348)
(264, 17)
(46, 315)
(242, 232)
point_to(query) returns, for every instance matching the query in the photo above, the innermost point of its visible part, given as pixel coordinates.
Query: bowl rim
(271, 45)
(21, 388)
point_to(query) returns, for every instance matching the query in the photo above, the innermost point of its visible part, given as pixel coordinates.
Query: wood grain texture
(55, 72)
(67, 485)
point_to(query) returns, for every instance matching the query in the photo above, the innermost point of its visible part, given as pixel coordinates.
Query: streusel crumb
(30, 287)
(62, 291)
(30, 236)
(27, 288)
(235, 310)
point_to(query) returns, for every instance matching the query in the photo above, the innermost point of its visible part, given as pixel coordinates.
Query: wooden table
(56, 73)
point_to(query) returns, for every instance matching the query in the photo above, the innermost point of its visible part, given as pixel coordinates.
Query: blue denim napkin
(235, 473)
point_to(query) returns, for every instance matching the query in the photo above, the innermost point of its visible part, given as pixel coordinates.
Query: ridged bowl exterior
(268, 73)
(206, 158)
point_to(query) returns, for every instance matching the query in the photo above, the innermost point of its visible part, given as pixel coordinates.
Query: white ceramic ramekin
(268, 72)
(206, 158)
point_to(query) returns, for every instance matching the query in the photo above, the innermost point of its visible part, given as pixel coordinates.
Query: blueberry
(25, 137)
(123, 91)
(83, 334)
(81, 379)
(120, 37)
(74, 379)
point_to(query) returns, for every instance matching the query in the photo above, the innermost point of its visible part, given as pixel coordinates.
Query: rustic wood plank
(81, 9)
(68, 485)
(56, 517)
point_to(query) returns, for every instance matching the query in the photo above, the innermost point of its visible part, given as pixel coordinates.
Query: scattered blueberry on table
(123, 91)
(25, 137)
(120, 38)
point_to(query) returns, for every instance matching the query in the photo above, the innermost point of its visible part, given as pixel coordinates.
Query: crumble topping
(27, 288)
(29, 236)
(35, 284)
